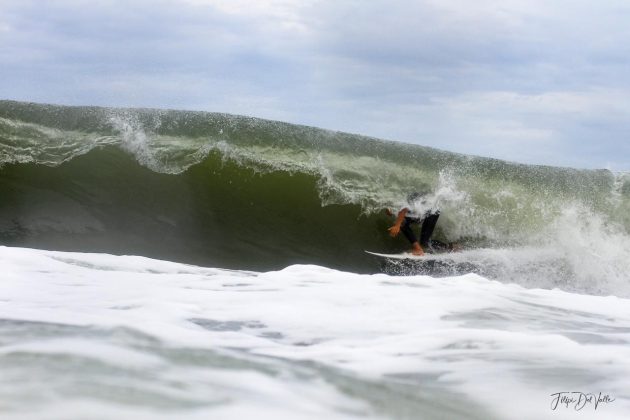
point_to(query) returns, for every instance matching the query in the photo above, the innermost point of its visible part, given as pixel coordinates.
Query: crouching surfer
(407, 217)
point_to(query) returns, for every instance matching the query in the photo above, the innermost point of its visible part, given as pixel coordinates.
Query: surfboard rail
(401, 256)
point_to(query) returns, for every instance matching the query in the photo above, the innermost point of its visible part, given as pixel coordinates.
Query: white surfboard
(401, 256)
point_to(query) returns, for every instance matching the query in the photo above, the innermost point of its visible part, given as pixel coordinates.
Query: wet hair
(422, 190)
(411, 197)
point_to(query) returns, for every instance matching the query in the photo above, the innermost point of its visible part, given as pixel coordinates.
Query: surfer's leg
(428, 225)
(405, 228)
(416, 249)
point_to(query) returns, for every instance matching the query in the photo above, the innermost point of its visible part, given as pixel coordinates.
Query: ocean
(178, 264)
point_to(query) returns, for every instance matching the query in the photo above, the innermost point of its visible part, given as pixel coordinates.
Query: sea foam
(132, 337)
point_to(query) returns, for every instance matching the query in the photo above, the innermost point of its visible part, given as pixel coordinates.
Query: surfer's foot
(417, 250)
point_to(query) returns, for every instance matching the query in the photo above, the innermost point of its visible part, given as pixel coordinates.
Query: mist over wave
(246, 193)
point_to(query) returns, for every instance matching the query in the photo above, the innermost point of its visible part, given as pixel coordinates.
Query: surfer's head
(422, 191)
(414, 196)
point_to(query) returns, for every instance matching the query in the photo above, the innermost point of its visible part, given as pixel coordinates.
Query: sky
(532, 81)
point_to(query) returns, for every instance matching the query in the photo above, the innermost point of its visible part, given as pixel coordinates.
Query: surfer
(407, 217)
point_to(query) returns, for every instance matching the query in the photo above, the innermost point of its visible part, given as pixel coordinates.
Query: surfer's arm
(395, 230)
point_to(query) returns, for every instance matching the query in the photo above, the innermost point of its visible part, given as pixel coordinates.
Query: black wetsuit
(428, 225)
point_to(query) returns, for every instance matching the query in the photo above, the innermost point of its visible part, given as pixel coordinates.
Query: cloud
(532, 81)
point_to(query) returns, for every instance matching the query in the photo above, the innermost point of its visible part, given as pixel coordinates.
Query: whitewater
(101, 336)
(175, 264)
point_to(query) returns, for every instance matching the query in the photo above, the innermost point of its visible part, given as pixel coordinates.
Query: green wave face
(234, 187)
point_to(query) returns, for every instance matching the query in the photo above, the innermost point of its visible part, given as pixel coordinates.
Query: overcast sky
(532, 81)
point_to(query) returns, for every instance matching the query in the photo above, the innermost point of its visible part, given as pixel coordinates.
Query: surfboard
(438, 264)
(401, 256)
(439, 249)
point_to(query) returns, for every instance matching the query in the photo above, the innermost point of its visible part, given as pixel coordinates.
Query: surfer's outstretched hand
(394, 231)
